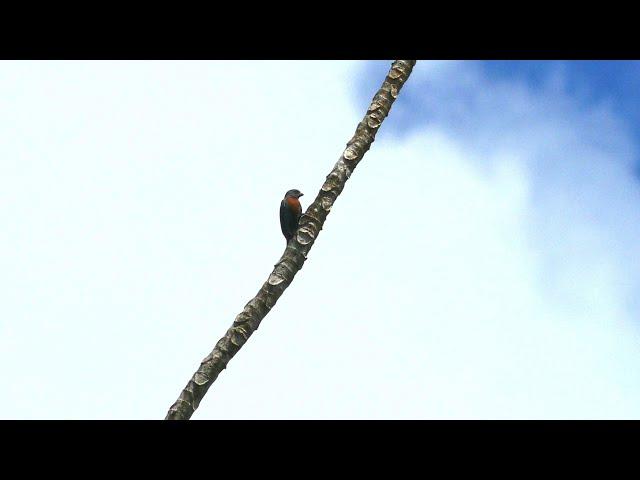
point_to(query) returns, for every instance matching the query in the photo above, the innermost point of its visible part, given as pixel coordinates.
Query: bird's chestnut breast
(294, 204)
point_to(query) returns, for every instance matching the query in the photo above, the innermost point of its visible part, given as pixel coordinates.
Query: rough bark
(296, 251)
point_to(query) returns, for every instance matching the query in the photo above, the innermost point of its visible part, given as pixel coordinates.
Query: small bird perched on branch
(290, 212)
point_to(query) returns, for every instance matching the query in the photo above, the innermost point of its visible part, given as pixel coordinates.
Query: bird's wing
(286, 219)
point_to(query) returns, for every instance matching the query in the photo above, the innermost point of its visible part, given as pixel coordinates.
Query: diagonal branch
(296, 251)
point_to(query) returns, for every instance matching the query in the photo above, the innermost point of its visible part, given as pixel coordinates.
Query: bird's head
(295, 193)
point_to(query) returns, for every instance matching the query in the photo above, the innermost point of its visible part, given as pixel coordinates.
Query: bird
(290, 213)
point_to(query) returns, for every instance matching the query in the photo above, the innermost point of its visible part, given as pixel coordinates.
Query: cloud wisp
(526, 229)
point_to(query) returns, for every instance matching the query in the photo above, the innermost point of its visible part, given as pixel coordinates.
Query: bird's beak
(301, 194)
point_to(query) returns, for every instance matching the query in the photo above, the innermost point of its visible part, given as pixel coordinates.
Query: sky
(481, 262)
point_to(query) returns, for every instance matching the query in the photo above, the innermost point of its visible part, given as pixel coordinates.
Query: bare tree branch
(296, 251)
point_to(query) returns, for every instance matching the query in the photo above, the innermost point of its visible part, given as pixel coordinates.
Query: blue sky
(480, 263)
(590, 82)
